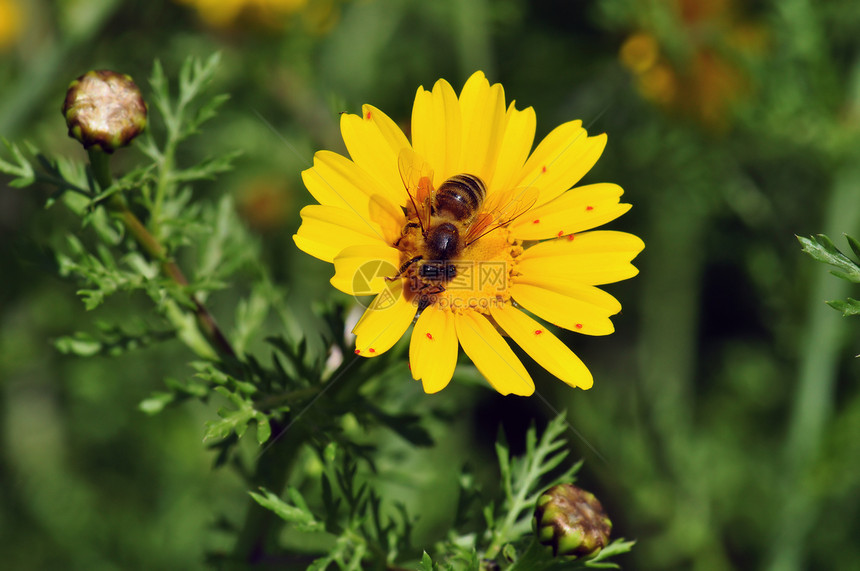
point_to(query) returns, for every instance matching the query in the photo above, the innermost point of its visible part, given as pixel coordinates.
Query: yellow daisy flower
(467, 229)
(221, 13)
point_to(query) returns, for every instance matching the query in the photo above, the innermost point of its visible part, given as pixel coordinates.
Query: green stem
(258, 535)
(500, 537)
(667, 355)
(100, 164)
(165, 169)
(678, 221)
(813, 402)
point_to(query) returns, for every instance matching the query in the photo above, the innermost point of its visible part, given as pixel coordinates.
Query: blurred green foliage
(720, 432)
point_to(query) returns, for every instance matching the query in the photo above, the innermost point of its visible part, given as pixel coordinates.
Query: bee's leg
(405, 232)
(428, 295)
(424, 302)
(403, 268)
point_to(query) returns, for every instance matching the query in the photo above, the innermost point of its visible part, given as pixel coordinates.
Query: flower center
(476, 277)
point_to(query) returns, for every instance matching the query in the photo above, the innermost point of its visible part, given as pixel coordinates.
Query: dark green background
(725, 410)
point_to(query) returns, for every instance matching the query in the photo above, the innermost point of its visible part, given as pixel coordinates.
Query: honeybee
(451, 218)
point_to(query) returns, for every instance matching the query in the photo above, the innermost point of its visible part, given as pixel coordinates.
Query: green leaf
(822, 249)
(523, 479)
(111, 340)
(426, 563)
(250, 316)
(236, 420)
(855, 245)
(848, 307)
(297, 514)
(331, 506)
(20, 169)
(330, 453)
(80, 344)
(178, 392)
(320, 564)
(264, 429)
(160, 92)
(504, 462)
(600, 560)
(156, 403)
(101, 275)
(207, 169)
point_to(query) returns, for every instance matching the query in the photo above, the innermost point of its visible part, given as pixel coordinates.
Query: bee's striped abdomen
(461, 196)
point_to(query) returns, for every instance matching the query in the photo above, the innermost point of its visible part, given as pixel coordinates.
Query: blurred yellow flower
(471, 231)
(221, 13)
(639, 52)
(701, 77)
(11, 22)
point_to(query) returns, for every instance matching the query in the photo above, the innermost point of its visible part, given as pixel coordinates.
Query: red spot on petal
(560, 233)
(589, 208)
(367, 116)
(358, 351)
(543, 169)
(430, 336)
(538, 331)
(372, 350)
(409, 365)
(570, 237)
(536, 221)
(578, 326)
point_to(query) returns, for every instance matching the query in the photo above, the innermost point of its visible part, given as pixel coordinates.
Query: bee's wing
(499, 209)
(417, 177)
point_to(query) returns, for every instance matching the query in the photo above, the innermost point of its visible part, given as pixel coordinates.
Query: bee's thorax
(443, 241)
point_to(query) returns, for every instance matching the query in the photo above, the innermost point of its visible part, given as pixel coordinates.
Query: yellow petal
(579, 308)
(334, 180)
(561, 159)
(374, 142)
(492, 355)
(542, 346)
(433, 349)
(390, 218)
(384, 322)
(516, 144)
(576, 210)
(362, 269)
(590, 258)
(482, 109)
(585, 293)
(326, 230)
(436, 130)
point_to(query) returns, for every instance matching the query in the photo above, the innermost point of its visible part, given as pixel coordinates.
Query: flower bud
(104, 109)
(572, 521)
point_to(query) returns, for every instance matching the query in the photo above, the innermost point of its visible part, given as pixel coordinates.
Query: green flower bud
(572, 521)
(104, 109)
